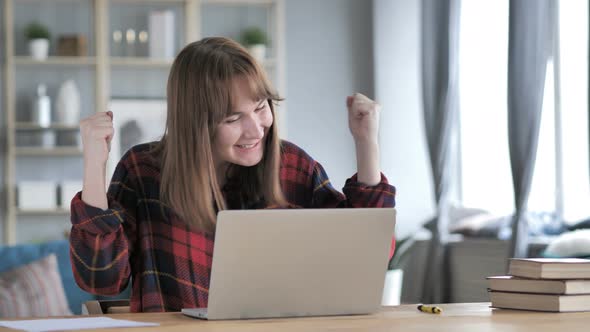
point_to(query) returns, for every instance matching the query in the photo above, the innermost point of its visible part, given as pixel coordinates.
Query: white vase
(39, 48)
(258, 52)
(41, 112)
(392, 289)
(68, 104)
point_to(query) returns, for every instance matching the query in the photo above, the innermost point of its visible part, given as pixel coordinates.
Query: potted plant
(38, 36)
(255, 40)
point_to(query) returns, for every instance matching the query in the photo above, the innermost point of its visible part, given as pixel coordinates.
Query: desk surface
(456, 317)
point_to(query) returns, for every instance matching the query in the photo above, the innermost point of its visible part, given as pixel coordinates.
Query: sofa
(17, 257)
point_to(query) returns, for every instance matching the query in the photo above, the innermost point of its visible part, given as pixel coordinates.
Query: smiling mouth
(247, 146)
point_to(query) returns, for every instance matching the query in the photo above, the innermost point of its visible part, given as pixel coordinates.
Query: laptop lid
(299, 262)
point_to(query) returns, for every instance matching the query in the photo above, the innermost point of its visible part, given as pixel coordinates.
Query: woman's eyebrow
(238, 112)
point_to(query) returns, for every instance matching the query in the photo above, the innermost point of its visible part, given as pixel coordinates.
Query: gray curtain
(440, 32)
(529, 46)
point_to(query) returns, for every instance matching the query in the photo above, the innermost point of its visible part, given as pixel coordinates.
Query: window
(560, 182)
(574, 107)
(485, 165)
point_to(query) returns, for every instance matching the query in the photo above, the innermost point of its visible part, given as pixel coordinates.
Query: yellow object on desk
(429, 309)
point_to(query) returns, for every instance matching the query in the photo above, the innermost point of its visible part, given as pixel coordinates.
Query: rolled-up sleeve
(101, 241)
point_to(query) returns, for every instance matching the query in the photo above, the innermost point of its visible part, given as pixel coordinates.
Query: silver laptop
(298, 262)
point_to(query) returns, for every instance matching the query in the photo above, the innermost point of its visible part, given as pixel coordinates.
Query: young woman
(221, 150)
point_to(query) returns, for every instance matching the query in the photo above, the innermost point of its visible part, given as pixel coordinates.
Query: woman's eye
(231, 119)
(260, 108)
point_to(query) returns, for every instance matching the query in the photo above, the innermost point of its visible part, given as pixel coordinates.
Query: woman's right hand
(97, 132)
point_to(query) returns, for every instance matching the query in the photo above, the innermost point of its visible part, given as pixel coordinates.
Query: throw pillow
(570, 244)
(479, 225)
(33, 290)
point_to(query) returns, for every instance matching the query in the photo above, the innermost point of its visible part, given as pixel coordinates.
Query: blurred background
(440, 69)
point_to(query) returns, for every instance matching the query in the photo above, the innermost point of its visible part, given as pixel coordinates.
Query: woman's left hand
(363, 118)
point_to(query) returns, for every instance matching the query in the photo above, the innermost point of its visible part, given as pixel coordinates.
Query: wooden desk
(472, 317)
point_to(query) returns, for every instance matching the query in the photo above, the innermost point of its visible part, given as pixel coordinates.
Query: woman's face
(239, 138)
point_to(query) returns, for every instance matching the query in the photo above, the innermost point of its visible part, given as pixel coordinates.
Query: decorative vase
(41, 116)
(68, 112)
(39, 48)
(41, 112)
(258, 52)
(68, 103)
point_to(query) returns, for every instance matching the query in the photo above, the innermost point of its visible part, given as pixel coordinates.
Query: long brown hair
(199, 97)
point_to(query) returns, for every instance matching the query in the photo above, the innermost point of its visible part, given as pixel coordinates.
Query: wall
(372, 47)
(329, 56)
(397, 88)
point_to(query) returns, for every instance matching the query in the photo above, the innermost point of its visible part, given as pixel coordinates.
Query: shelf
(55, 126)
(56, 61)
(43, 212)
(38, 151)
(56, 1)
(207, 2)
(140, 62)
(238, 2)
(149, 1)
(163, 63)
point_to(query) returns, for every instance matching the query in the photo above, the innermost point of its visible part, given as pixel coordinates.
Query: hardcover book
(555, 286)
(550, 268)
(540, 302)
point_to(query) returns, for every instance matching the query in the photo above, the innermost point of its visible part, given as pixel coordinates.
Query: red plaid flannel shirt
(138, 237)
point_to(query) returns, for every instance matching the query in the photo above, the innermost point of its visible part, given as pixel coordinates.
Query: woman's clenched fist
(97, 132)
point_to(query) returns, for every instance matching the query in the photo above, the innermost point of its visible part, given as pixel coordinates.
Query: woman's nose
(252, 127)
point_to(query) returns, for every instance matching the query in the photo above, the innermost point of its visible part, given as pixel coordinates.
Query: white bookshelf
(56, 61)
(56, 152)
(44, 212)
(34, 126)
(103, 66)
(140, 62)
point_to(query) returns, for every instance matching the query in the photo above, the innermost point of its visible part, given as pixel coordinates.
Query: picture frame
(135, 121)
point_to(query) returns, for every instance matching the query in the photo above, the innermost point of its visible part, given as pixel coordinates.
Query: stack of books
(543, 284)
